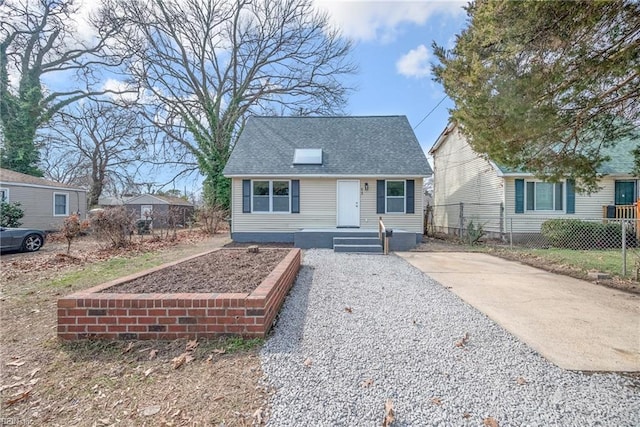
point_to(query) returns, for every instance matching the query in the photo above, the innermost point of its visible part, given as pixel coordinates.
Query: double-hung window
(60, 204)
(544, 196)
(395, 195)
(4, 195)
(271, 196)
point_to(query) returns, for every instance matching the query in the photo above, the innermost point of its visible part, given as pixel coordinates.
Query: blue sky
(392, 47)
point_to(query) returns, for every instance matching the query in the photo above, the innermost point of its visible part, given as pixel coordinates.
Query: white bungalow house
(45, 203)
(312, 180)
(504, 200)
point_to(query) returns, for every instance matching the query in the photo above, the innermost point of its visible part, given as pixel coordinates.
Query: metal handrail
(382, 235)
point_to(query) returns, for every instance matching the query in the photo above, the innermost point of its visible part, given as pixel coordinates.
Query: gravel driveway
(372, 328)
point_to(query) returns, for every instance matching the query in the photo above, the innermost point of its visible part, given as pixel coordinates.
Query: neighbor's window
(4, 194)
(544, 196)
(60, 204)
(395, 196)
(271, 196)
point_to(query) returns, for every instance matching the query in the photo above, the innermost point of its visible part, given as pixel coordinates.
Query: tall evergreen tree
(545, 86)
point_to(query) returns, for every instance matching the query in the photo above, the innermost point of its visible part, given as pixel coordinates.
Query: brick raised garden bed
(95, 313)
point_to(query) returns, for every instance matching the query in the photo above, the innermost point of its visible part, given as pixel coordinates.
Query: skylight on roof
(307, 156)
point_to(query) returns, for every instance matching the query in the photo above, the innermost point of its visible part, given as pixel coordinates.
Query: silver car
(21, 239)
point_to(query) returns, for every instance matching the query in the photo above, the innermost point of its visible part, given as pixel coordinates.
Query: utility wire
(429, 113)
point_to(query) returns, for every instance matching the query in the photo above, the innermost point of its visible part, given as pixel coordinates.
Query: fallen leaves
(389, 413)
(463, 342)
(18, 397)
(436, 401)
(150, 410)
(192, 345)
(348, 309)
(258, 417)
(184, 358)
(308, 362)
(366, 383)
(128, 348)
(490, 422)
(521, 381)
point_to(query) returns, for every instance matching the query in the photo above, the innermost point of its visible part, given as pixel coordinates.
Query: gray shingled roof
(373, 145)
(10, 176)
(621, 159)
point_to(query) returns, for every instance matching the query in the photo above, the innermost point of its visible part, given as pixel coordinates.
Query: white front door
(348, 203)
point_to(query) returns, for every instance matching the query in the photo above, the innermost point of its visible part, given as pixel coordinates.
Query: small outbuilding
(163, 211)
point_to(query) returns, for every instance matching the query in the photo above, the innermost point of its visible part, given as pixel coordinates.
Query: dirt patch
(44, 381)
(262, 245)
(223, 271)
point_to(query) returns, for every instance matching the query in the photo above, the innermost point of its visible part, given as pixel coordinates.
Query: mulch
(223, 271)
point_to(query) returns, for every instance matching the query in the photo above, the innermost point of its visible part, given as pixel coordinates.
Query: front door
(348, 203)
(625, 192)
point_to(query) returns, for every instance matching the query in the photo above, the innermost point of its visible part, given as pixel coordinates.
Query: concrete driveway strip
(575, 324)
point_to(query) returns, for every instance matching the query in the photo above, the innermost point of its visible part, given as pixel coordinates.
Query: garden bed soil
(223, 271)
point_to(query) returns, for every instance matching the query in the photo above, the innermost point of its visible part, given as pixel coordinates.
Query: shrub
(11, 214)
(577, 234)
(114, 224)
(72, 227)
(211, 217)
(474, 233)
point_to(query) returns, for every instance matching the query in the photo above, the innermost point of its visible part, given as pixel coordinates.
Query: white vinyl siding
(462, 176)
(60, 204)
(318, 208)
(587, 207)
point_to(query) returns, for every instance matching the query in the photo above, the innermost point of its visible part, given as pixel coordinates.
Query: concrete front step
(373, 249)
(356, 241)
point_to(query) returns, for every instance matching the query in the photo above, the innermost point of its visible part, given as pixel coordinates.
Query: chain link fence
(594, 242)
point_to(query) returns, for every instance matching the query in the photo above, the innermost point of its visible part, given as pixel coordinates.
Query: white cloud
(414, 63)
(379, 20)
(120, 86)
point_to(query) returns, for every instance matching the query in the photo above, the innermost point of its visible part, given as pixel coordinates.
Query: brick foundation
(96, 315)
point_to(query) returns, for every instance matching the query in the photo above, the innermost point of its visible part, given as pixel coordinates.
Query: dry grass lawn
(44, 381)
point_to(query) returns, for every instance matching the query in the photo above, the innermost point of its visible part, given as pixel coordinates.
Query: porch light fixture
(366, 186)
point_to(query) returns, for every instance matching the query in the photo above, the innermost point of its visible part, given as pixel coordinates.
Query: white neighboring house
(504, 200)
(45, 203)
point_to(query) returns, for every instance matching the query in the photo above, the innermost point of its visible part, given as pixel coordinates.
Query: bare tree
(104, 139)
(39, 39)
(205, 65)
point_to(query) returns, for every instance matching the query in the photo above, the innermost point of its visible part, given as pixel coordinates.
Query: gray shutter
(380, 196)
(519, 195)
(571, 196)
(246, 196)
(410, 189)
(295, 196)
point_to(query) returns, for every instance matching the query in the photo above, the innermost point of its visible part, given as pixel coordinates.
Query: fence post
(501, 220)
(461, 219)
(624, 247)
(511, 233)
